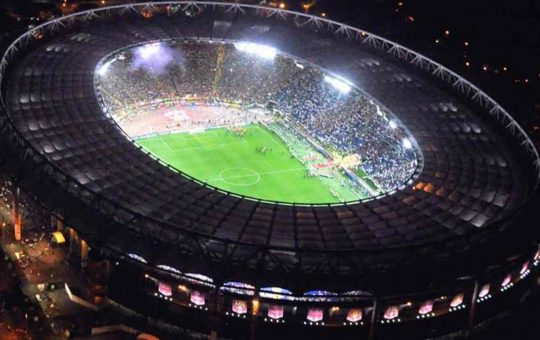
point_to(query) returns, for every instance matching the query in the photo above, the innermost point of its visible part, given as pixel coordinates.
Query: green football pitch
(231, 162)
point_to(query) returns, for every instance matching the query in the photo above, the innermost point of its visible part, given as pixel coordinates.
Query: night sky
(500, 32)
(503, 38)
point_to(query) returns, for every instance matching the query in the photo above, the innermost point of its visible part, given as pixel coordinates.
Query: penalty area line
(166, 145)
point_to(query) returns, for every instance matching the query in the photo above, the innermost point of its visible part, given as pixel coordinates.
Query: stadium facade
(436, 247)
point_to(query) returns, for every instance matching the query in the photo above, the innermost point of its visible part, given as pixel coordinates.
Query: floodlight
(102, 71)
(407, 143)
(338, 84)
(263, 51)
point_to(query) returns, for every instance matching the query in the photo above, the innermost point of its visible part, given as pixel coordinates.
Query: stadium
(251, 171)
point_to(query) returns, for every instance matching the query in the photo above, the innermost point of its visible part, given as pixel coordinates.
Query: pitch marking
(255, 174)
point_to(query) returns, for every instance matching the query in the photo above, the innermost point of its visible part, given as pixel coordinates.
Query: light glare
(338, 84)
(263, 51)
(105, 67)
(407, 143)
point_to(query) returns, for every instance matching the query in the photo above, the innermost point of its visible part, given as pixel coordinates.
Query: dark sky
(499, 31)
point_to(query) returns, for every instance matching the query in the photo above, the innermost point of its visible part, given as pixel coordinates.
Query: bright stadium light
(393, 124)
(407, 143)
(338, 84)
(105, 67)
(300, 66)
(263, 51)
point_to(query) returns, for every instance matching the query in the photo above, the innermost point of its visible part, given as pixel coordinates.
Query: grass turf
(231, 162)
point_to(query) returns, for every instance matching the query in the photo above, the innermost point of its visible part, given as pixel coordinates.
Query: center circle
(240, 176)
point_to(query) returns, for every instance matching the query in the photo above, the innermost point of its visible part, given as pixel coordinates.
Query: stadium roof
(80, 165)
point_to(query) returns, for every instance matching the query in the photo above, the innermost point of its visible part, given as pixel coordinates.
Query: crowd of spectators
(350, 124)
(346, 122)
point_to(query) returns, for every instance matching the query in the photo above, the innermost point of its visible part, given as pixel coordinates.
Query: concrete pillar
(17, 220)
(472, 311)
(215, 314)
(373, 320)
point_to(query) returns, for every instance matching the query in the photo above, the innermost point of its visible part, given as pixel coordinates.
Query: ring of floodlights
(424, 63)
(406, 182)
